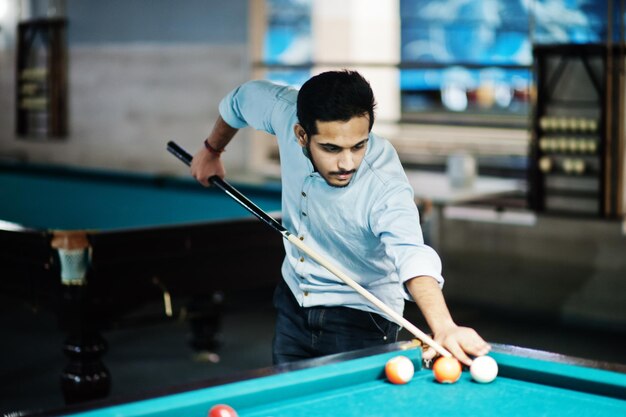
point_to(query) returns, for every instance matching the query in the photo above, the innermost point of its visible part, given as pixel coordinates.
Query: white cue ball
(484, 369)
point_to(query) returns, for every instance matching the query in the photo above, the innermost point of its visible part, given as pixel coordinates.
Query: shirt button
(302, 259)
(306, 293)
(301, 237)
(303, 194)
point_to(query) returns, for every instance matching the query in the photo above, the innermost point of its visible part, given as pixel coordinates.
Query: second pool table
(141, 239)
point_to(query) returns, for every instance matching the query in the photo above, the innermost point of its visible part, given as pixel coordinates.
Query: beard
(309, 155)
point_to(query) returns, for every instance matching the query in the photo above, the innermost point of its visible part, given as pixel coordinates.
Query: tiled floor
(154, 356)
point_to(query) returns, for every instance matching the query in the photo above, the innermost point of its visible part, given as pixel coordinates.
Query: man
(344, 192)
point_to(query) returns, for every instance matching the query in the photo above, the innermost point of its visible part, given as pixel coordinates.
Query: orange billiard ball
(399, 370)
(222, 410)
(447, 370)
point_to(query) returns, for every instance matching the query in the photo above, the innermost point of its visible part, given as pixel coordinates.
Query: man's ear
(300, 134)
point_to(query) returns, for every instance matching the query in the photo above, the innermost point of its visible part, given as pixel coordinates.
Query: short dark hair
(334, 96)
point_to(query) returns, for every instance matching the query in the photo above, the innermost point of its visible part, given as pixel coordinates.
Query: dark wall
(157, 21)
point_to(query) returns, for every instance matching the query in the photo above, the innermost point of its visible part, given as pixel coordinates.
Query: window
(287, 47)
(461, 62)
(471, 62)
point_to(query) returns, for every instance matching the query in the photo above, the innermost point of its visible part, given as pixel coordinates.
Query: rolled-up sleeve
(395, 220)
(251, 104)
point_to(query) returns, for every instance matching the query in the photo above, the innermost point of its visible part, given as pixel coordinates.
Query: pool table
(93, 246)
(530, 383)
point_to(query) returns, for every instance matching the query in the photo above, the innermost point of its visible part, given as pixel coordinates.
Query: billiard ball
(484, 369)
(222, 410)
(447, 370)
(399, 370)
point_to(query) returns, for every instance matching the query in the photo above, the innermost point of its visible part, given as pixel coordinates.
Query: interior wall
(569, 270)
(140, 73)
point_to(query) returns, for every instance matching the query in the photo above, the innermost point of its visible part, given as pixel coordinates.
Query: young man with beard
(345, 193)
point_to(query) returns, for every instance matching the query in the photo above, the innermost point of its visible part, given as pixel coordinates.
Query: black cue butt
(179, 152)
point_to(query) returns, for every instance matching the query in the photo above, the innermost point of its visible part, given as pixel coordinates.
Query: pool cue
(184, 156)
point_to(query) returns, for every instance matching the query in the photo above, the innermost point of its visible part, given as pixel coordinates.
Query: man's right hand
(205, 164)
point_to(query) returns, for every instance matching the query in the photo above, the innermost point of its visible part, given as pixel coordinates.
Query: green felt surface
(69, 200)
(358, 388)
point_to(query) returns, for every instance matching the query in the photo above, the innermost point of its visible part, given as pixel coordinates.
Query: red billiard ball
(447, 370)
(222, 410)
(399, 369)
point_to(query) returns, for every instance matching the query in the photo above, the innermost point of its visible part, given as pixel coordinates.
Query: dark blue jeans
(303, 333)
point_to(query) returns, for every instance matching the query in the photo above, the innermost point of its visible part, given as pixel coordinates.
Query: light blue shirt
(369, 229)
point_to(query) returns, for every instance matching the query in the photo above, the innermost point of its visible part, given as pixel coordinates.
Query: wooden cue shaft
(368, 295)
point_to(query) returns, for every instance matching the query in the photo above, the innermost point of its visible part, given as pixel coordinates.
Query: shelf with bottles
(41, 79)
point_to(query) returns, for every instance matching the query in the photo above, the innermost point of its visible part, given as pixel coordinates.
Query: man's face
(337, 149)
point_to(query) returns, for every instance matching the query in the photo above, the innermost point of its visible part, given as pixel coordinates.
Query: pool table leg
(85, 377)
(204, 315)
